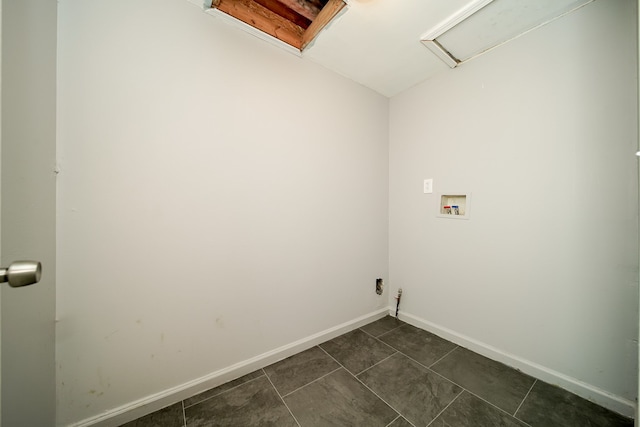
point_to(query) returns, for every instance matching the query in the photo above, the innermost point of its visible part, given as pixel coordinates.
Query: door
(27, 209)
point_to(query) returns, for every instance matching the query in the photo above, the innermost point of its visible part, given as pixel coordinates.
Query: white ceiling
(377, 42)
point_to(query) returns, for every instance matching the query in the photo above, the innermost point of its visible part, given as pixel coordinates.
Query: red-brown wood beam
(305, 8)
(286, 12)
(263, 19)
(328, 12)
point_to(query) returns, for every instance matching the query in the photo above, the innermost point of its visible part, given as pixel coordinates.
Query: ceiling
(377, 43)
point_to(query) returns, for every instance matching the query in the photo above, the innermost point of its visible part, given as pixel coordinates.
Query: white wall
(28, 209)
(218, 198)
(542, 132)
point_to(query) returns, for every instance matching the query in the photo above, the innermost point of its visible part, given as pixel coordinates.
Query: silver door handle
(21, 273)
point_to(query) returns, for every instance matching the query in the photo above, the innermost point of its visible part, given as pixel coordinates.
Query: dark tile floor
(387, 373)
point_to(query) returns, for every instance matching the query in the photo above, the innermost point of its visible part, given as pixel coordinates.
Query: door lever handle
(21, 273)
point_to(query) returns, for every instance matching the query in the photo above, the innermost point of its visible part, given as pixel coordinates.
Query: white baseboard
(149, 404)
(601, 397)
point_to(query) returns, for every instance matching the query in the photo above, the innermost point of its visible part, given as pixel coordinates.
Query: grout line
(525, 397)
(397, 327)
(376, 364)
(410, 358)
(463, 388)
(281, 398)
(379, 397)
(386, 344)
(384, 333)
(526, 424)
(380, 341)
(481, 398)
(317, 379)
(431, 370)
(393, 421)
(397, 418)
(422, 364)
(371, 335)
(448, 353)
(445, 408)
(366, 386)
(489, 403)
(467, 390)
(184, 415)
(222, 392)
(334, 359)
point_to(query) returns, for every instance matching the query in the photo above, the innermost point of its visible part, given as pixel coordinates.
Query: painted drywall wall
(218, 198)
(28, 209)
(542, 132)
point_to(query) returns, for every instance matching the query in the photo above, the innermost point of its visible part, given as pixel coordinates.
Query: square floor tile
(221, 389)
(171, 416)
(339, 400)
(254, 403)
(300, 369)
(470, 411)
(499, 384)
(410, 388)
(420, 345)
(550, 406)
(382, 326)
(357, 350)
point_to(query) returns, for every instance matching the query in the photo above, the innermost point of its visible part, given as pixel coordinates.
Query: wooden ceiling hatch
(294, 22)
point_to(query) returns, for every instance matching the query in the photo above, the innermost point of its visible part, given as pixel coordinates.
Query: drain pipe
(398, 301)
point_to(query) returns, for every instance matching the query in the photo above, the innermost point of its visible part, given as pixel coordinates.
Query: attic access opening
(294, 22)
(485, 24)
